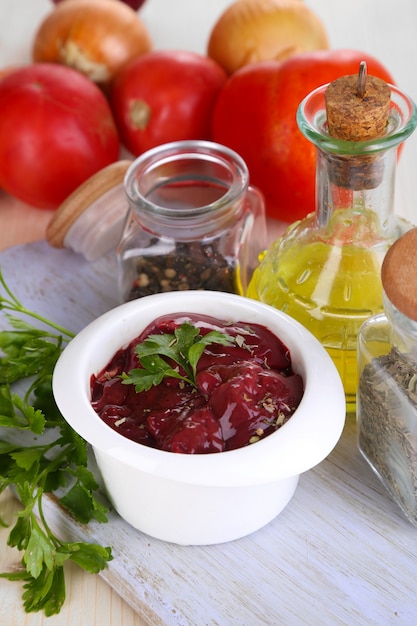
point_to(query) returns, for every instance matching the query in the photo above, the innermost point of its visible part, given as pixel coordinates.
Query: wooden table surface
(375, 26)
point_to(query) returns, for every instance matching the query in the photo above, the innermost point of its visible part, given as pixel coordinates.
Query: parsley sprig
(158, 355)
(53, 458)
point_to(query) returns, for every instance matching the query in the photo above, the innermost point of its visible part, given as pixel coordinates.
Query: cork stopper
(357, 106)
(357, 109)
(399, 274)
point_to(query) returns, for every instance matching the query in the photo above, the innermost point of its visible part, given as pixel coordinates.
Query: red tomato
(4, 71)
(165, 96)
(56, 130)
(255, 115)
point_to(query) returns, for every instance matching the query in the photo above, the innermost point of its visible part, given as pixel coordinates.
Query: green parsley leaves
(49, 457)
(158, 355)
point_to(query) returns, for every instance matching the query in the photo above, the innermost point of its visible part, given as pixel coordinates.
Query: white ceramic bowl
(204, 498)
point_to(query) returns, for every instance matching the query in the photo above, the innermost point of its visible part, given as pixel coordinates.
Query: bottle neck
(356, 190)
(355, 180)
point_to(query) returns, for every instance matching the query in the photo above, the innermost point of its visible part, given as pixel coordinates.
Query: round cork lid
(357, 106)
(399, 274)
(83, 198)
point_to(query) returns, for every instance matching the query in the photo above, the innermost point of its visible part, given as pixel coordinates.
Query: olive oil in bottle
(330, 289)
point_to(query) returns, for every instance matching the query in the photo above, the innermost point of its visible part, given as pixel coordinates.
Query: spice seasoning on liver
(244, 391)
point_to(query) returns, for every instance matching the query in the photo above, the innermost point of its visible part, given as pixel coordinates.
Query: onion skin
(251, 31)
(135, 4)
(95, 37)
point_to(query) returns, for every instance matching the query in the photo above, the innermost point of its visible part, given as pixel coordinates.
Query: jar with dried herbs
(387, 390)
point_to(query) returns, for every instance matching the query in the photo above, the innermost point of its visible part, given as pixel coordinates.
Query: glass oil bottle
(325, 270)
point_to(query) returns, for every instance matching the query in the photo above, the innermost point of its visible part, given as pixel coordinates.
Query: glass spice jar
(325, 269)
(194, 222)
(387, 389)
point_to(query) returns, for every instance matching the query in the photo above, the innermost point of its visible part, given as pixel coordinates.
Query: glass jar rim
(312, 122)
(175, 152)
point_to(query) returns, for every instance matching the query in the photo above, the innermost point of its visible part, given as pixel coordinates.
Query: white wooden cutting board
(339, 554)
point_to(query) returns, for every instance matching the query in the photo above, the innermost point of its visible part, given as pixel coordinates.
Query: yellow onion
(249, 31)
(95, 37)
